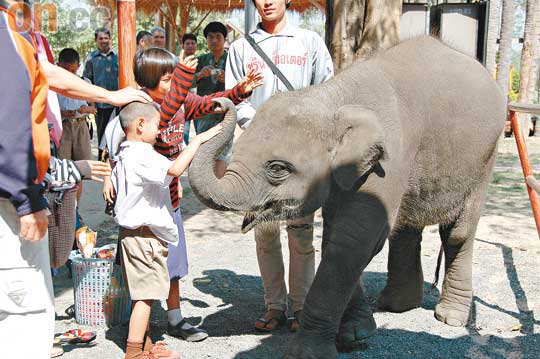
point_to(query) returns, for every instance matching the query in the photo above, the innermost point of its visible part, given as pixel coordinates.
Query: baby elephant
(401, 141)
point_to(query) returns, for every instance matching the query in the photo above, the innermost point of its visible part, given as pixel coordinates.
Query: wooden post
(126, 42)
(526, 165)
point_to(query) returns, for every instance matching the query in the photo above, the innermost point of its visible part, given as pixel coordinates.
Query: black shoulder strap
(269, 62)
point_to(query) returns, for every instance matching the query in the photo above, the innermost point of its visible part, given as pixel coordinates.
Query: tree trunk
(533, 79)
(492, 35)
(381, 26)
(527, 57)
(344, 24)
(505, 45)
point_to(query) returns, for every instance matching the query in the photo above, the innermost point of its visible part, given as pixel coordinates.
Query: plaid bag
(62, 202)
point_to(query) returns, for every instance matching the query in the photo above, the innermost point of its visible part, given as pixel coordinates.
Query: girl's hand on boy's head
(188, 61)
(250, 82)
(212, 132)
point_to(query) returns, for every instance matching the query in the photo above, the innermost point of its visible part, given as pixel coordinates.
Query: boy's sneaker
(186, 332)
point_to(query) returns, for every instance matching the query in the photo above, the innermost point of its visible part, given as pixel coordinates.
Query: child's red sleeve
(181, 81)
(199, 106)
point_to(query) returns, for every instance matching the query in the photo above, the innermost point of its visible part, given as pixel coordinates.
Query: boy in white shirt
(141, 180)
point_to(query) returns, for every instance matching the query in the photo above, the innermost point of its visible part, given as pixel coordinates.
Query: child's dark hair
(186, 37)
(152, 63)
(142, 34)
(215, 26)
(134, 110)
(68, 56)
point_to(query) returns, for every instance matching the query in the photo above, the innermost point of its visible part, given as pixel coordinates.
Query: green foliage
(76, 26)
(73, 30)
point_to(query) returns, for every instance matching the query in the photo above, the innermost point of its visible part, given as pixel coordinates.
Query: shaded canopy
(174, 14)
(220, 5)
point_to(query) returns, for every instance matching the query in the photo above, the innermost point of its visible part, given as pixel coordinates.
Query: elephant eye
(278, 171)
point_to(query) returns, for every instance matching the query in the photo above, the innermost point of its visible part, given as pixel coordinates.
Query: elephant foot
(354, 330)
(303, 346)
(453, 314)
(401, 299)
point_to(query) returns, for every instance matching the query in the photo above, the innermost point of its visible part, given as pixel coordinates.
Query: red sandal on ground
(76, 336)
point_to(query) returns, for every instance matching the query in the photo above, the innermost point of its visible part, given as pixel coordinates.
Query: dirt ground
(223, 291)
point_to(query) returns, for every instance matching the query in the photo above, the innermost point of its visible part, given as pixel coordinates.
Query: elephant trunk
(221, 194)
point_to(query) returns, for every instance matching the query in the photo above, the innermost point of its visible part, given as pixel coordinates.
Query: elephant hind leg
(405, 284)
(458, 241)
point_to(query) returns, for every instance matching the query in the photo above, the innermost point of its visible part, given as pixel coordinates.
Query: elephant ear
(359, 146)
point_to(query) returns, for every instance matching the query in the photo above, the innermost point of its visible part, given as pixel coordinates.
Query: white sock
(175, 316)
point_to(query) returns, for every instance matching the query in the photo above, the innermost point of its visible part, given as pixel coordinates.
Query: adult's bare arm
(70, 85)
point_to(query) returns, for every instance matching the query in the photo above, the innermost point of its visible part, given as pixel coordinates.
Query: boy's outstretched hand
(206, 135)
(250, 82)
(188, 61)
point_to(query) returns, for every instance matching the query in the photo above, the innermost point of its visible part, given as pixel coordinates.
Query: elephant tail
(437, 269)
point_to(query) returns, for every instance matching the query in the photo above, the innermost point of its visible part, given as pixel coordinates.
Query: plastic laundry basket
(100, 295)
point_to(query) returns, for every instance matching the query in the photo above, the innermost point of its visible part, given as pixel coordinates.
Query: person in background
(189, 46)
(159, 36)
(75, 141)
(210, 78)
(304, 60)
(101, 68)
(144, 40)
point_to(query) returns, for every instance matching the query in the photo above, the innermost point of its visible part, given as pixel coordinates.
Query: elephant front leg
(357, 232)
(357, 323)
(405, 284)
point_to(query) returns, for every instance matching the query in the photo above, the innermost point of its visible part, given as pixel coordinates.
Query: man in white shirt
(303, 58)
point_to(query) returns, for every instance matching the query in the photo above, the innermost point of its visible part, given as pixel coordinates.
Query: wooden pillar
(126, 42)
(184, 18)
(170, 28)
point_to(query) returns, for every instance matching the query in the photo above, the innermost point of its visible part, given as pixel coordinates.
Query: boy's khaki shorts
(75, 141)
(144, 262)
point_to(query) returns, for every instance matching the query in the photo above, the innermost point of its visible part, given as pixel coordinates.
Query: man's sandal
(272, 320)
(294, 321)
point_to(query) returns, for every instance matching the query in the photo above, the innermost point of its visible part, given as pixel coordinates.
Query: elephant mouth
(272, 211)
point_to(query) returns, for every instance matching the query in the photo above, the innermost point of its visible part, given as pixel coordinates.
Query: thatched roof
(150, 6)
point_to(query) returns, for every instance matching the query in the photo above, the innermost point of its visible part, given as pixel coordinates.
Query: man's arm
(88, 69)
(323, 68)
(234, 72)
(70, 85)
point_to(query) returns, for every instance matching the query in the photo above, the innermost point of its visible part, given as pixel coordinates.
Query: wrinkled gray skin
(390, 145)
